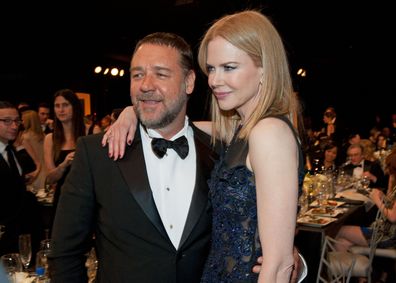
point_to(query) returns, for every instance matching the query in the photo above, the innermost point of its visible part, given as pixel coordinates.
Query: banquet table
(309, 238)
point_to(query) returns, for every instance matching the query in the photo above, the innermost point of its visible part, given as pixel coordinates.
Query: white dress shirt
(172, 181)
(358, 171)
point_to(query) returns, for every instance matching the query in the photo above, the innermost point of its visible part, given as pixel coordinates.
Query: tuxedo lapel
(133, 169)
(199, 201)
(3, 164)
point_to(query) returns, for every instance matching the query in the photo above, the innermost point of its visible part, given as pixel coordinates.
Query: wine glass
(2, 230)
(365, 181)
(12, 264)
(25, 249)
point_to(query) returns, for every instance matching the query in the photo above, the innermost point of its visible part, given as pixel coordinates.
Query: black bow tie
(357, 165)
(160, 146)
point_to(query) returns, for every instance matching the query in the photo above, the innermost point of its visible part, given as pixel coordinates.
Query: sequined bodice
(235, 242)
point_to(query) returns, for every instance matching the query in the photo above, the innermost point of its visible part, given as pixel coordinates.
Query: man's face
(8, 133)
(43, 113)
(355, 155)
(159, 86)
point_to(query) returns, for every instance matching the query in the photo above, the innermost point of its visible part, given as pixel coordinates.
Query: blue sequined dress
(235, 240)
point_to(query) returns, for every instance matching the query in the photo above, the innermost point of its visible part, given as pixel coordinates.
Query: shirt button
(168, 189)
(171, 226)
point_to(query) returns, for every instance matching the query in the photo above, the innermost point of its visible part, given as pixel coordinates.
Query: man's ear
(189, 82)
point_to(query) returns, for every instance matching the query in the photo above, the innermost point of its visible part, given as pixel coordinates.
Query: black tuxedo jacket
(19, 210)
(372, 167)
(114, 200)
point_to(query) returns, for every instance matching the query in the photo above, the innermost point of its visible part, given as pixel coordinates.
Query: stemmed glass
(2, 230)
(12, 264)
(25, 249)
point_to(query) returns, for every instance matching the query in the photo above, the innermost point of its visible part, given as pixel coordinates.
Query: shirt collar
(2, 146)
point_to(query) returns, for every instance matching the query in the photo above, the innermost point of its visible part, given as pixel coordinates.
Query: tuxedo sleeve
(73, 225)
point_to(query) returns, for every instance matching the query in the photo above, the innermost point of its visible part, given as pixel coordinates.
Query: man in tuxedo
(18, 208)
(47, 124)
(358, 167)
(148, 211)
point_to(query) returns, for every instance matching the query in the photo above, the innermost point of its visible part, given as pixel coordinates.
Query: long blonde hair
(253, 33)
(31, 123)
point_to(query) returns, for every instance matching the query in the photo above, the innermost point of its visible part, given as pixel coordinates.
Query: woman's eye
(209, 69)
(229, 68)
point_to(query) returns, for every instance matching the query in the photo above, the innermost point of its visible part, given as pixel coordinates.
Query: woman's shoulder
(271, 125)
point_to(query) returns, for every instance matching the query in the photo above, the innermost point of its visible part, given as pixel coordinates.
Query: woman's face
(63, 109)
(233, 77)
(331, 154)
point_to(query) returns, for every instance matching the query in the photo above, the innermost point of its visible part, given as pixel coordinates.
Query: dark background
(345, 46)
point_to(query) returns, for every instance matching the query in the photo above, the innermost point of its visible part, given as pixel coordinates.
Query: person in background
(105, 123)
(19, 211)
(252, 109)
(359, 167)
(91, 127)
(33, 141)
(115, 113)
(329, 162)
(47, 124)
(60, 145)
(23, 106)
(385, 202)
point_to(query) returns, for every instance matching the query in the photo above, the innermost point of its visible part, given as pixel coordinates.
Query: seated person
(359, 167)
(329, 160)
(356, 235)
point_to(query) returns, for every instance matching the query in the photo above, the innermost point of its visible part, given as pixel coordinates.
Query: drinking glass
(25, 249)
(12, 264)
(365, 181)
(45, 245)
(2, 230)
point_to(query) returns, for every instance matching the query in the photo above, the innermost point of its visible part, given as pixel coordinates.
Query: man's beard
(167, 115)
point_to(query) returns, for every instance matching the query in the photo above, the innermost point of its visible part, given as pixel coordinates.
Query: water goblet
(25, 249)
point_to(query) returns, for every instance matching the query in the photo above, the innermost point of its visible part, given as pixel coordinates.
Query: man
(45, 121)
(149, 215)
(18, 208)
(359, 167)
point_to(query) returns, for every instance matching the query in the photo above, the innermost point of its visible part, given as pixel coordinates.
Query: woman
(59, 146)
(328, 163)
(254, 187)
(33, 141)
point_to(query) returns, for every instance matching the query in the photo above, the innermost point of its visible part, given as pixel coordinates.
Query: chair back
(334, 266)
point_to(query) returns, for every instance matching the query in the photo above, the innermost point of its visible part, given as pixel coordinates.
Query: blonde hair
(31, 123)
(253, 33)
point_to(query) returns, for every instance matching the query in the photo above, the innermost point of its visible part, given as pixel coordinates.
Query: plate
(325, 211)
(315, 221)
(329, 202)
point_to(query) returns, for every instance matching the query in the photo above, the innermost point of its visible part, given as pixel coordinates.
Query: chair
(363, 267)
(334, 266)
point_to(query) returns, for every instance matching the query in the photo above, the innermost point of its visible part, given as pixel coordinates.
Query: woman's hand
(68, 159)
(376, 195)
(122, 131)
